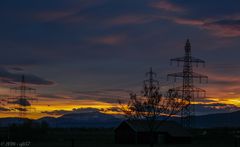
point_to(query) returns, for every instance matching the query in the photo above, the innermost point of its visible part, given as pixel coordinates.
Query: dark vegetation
(41, 132)
(42, 135)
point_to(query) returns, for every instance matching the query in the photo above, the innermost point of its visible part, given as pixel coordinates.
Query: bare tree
(151, 105)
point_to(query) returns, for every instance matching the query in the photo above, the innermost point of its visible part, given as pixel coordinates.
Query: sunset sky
(83, 54)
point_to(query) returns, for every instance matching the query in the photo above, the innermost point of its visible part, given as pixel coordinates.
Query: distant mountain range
(101, 120)
(88, 119)
(218, 120)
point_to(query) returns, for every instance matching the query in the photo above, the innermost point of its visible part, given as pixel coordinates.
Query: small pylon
(151, 86)
(22, 100)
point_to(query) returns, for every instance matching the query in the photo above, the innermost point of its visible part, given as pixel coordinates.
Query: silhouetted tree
(151, 105)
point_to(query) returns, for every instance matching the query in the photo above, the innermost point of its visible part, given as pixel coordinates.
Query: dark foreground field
(75, 137)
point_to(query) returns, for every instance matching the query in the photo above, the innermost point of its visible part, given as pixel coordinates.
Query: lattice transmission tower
(22, 100)
(151, 86)
(187, 91)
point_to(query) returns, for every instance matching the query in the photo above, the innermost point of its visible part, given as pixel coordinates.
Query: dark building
(137, 132)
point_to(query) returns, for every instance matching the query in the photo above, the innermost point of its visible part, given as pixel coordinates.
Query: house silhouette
(138, 132)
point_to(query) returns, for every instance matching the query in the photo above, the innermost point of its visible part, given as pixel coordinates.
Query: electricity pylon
(151, 86)
(187, 92)
(23, 99)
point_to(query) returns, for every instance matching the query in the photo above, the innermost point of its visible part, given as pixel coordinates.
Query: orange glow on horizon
(67, 105)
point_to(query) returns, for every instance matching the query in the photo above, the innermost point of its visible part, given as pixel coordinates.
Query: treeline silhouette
(27, 131)
(36, 132)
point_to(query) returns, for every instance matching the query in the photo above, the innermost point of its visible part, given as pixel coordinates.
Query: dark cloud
(85, 110)
(21, 109)
(11, 77)
(21, 101)
(113, 109)
(224, 28)
(228, 22)
(203, 8)
(56, 112)
(74, 110)
(226, 25)
(82, 110)
(4, 109)
(219, 28)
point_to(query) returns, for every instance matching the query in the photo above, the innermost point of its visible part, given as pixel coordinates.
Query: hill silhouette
(101, 120)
